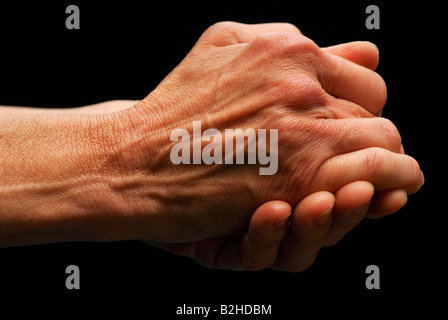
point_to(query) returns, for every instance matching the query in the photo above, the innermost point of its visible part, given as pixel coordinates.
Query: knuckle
(300, 90)
(382, 91)
(286, 43)
(221, 33)
(374, 161)
(306, 45)
(287, 27)
(415, 171)
(391, 133)
(377, 83)
(222, 26)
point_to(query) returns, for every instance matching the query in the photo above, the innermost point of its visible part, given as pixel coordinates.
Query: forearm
(98, 108)
(56, 180)
(19, 110)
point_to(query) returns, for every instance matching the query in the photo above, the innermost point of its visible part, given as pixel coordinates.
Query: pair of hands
(104, 172)
(328, 98)
(289, 239)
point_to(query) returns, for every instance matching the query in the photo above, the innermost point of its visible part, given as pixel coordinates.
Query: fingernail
(323, 218)
(282, 222)
(422, 179)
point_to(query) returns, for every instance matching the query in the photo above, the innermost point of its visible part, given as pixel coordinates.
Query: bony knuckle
(378, 85)
(415, 171)
(223, 26)
(307, 45)
(390, 132)
(288, 27)
(382, 91)
(299, 88)
(280, 40)
(281, 43)
(221, 33)
(388, 126)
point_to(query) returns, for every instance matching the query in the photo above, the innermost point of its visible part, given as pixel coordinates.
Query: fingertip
(268, 219)
(277, 207)
(272, 213)
(312, 213)
(354, 195)
(268, 226)
(315, 204)
(310, 223)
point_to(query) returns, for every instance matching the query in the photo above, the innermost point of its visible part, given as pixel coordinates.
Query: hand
(287, 240)
(241, 76)
(259, 247)
(122, 157)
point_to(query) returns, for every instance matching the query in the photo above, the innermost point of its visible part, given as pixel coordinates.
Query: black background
(123, 50)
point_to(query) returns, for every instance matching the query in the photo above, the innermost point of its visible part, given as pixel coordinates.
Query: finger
(347, 80)
(363, 53)
(230, 33)
(267, 227)
(361, 133)
(351, 205)
(387, 202)
(310, 223)
(383, 168)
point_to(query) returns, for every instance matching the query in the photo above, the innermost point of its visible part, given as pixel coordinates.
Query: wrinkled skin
(323, 107)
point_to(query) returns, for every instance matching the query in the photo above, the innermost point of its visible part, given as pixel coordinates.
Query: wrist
(59, 181)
